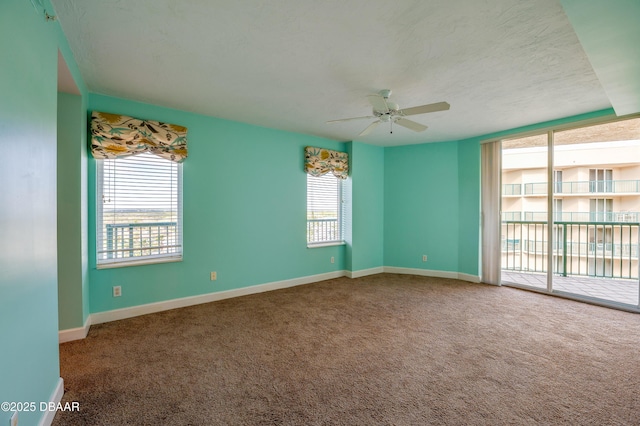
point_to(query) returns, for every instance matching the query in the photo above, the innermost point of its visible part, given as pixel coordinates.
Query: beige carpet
(386, 349)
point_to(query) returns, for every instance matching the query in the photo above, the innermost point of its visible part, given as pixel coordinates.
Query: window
(600, 180)
(601, 209)
(557, 209)
(324, 210)
(139, 210)
(557, 179)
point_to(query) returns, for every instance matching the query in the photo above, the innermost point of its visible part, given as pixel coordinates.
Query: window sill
(327, 244)
(138, 262)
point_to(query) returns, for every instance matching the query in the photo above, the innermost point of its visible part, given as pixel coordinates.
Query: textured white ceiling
(294, 64)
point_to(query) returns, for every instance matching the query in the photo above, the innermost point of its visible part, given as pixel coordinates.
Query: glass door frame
(551, 235)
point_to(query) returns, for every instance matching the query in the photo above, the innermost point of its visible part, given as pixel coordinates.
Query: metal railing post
(564, 249)
(131, 241)
(109, 241)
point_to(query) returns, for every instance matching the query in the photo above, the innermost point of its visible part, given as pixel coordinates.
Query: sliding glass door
(571, 212)
(525, 211)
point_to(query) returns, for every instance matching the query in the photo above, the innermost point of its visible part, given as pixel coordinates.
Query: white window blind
(324, 210)
(139, 210)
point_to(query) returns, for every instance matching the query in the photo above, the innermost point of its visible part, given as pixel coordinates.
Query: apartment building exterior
(595, 209)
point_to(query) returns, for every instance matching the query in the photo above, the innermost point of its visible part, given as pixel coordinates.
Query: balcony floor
(618, 290)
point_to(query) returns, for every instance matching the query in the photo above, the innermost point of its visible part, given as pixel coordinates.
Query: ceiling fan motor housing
(385, 93)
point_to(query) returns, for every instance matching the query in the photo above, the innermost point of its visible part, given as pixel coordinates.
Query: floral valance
(114, 136)
(320, 161)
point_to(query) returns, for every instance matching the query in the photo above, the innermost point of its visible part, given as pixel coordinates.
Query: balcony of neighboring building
(601, 188)
(594, 217)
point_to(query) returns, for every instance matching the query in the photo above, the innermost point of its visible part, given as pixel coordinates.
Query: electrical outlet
(424, 257)
(117, 291)
(214, 276)
(14, 419)
(333, 260)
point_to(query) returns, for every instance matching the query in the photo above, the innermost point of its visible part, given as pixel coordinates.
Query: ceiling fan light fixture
(393, 106)
(389, 112)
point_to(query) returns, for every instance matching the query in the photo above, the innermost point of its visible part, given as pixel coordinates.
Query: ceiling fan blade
(378, 102)
(369, 128)
(423, 109)
(349, 119)
(416, 127)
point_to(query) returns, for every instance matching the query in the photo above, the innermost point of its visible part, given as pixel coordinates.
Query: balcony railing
(627, 217)
(536, 188)
(139, 239)
(512, 216)
(594, 249)
(320, 230)
(578, 187)
(596, 186)
(512, 189)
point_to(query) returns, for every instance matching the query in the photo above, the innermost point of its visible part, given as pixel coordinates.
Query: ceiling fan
(389, 112)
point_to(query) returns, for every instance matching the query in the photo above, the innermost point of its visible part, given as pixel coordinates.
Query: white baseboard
(364, 272)
(420, 272)
(56, 396)
(432, 273)
(75, 333)
(134, 311)
(468, 277)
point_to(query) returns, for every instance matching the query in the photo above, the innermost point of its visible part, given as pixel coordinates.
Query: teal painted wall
(421, 212)
(244, 208)
(72, 212)
(73, 253)
(367, 207)
(468, 207)
(347, 194)
(29, 366)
